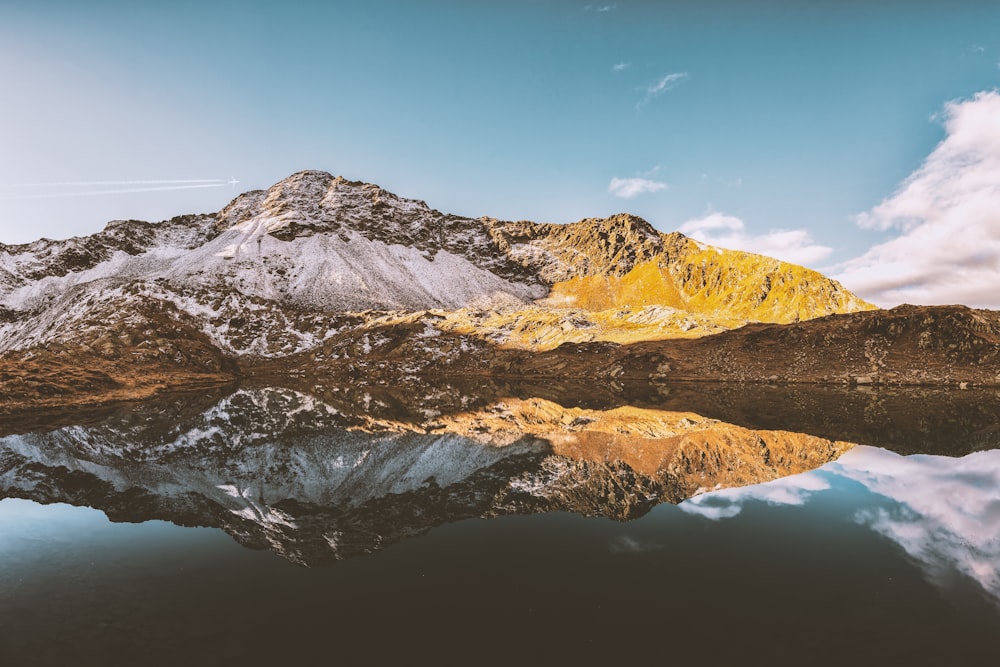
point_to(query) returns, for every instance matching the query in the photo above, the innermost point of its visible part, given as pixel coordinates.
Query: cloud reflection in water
(944, 512)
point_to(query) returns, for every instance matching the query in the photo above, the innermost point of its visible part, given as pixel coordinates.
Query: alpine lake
(517, 524)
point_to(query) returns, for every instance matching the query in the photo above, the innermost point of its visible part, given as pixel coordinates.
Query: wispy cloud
(731, 183)
(600, 9)
(627, 188)
(727, 231)
(947, 219)
(9, 192)
(620, 67)
(665, 83)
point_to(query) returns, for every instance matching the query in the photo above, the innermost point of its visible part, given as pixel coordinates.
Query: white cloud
(620, 67)
(627, 188)
(947, 219)
(727, 231)
(660, 86)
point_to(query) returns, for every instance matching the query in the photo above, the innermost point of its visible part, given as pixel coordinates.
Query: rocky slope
(909, 345)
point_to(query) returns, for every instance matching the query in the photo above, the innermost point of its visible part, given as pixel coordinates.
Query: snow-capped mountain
(265, 275)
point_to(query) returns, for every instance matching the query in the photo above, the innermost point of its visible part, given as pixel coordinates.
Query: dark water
(274, 527)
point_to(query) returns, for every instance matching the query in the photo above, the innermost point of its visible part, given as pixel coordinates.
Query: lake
(505, 524)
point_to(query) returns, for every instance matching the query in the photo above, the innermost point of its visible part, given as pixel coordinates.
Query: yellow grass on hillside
(687, 290)
(730, 286)
(755, 287)
(539, 328)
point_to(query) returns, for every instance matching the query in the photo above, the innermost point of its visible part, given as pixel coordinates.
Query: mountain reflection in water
(279, 469)
(813, 526)
(326, 476)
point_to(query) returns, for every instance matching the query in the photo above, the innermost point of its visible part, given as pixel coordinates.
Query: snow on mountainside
(126, 247)
(256, 277)
(304, 243)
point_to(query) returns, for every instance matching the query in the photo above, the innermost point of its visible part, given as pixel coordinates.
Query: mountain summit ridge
(315, 240)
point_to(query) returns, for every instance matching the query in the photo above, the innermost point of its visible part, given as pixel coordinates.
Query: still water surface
(378, 546)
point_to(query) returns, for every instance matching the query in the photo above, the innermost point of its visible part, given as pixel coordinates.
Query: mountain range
(321, 276)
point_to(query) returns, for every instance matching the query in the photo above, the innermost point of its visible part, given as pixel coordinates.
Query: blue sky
(775, 126)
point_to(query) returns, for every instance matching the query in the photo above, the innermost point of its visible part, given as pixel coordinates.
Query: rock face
(909, 345)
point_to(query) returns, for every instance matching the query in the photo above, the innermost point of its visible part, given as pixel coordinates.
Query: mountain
(318, 242)
(321, 244)
(323, 275)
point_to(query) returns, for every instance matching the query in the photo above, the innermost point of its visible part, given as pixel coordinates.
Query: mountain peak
(626, 223)
(311, 201)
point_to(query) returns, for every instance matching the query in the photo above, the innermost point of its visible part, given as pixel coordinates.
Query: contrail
(75, 184)
(92, 193)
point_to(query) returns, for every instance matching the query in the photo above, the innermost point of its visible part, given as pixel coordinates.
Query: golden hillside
(547, 327)
(619, 280)
(729, 285)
